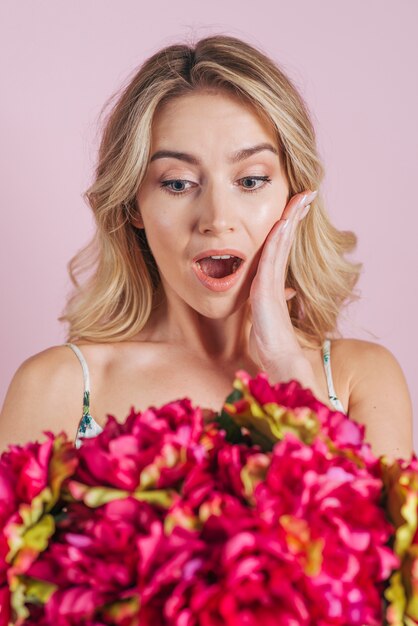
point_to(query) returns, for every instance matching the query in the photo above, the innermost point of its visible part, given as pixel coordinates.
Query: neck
(224, 339)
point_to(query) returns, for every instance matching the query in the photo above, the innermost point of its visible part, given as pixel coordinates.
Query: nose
(217, 212)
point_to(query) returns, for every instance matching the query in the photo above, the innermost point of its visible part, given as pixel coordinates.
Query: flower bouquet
(274, 511)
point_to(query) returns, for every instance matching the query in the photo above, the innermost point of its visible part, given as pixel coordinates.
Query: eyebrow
(236, 157)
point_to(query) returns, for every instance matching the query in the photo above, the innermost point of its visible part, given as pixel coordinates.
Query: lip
(211, 252)
(218, 284)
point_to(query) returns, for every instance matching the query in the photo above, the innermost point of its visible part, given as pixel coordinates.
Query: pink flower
(93, 561)
(233, 572)
(23, 474)
(340, 505)
(5, 608)
(156, 447)
(400, 478)
(31, 477)
(163, 521)
(219, 472)
(270, 411)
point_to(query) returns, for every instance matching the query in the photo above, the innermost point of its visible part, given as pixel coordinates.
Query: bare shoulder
(361, 359)
(45, 393)
(379, 396)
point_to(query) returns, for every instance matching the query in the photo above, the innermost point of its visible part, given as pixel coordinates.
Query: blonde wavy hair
(121, 283)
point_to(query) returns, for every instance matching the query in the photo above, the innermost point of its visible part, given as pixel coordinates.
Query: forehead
(207, 113)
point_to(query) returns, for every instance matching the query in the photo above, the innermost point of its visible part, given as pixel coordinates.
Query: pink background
(355, 64)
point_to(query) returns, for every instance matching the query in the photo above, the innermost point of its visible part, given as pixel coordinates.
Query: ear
(137, 221)
(135, 217)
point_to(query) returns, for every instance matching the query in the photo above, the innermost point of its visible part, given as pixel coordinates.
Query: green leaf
(232, 430)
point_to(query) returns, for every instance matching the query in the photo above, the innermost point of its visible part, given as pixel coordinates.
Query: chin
(221, 308)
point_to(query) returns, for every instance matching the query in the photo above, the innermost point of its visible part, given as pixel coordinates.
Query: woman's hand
(273, 343)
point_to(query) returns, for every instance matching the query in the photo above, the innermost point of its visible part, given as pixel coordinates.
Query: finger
(304, 212)
(297, 203)
(277, 245)
(297, 207)
(276, 249)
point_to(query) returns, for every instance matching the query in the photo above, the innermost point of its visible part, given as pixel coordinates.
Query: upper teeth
(222, 256)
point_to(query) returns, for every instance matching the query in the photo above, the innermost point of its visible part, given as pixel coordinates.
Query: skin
(208, 205)
(195, 341)
(217, 210)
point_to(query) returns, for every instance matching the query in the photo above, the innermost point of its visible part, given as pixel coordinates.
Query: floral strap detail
(87, 427)
(326, 349)
(86, 420)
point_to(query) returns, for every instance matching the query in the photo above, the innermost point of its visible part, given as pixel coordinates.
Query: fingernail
(307, 198)
(311, 196)
(304, 212)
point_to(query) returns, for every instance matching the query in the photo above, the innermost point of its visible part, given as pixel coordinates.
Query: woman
(208, 152)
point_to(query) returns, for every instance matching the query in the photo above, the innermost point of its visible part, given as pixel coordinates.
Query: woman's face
(202, 198)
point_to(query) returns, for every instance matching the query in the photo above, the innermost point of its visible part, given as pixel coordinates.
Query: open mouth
(219, 268)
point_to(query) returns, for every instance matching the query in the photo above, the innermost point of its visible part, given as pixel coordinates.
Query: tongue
(217, 268)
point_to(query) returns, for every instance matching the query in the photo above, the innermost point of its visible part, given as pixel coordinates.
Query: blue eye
(265, 179)
(165, 184)
(175, 191)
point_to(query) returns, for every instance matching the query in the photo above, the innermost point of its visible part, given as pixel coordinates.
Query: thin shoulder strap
(326, 350)
(86, 377)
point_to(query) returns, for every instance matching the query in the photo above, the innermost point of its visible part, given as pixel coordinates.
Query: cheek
(166, 239)
(263, 227)
(267, 217)
(160, 241)
(269, 209)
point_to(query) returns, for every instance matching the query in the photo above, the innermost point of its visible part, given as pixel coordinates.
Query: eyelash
(165, 183)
